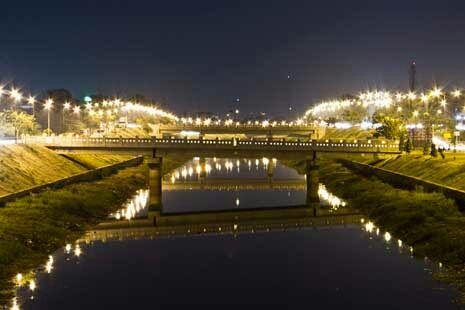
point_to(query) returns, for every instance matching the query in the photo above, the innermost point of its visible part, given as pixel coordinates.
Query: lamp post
(48, 106)
(16, 96)
(66, 106)
(32, 101)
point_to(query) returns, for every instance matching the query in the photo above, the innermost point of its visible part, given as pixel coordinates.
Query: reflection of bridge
(221, 222)
(156, 183)
(236, 184)
(314, 132)
(246, 148)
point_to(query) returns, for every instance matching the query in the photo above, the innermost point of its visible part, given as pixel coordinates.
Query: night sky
(203, 55)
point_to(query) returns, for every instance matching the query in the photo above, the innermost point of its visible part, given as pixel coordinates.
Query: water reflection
(135, 206)
(203, 167)
(131, 223)
(328, 198)
(28, 287)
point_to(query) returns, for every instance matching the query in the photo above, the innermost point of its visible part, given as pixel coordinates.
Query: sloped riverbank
(428, 222)
(32, 227)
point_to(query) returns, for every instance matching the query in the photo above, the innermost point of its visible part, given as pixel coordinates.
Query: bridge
(221, 222)
(249, 130)
(216, 147)
(236, 184)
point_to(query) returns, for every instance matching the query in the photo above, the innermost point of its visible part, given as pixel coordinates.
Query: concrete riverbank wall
(400, 180)
(86, 176)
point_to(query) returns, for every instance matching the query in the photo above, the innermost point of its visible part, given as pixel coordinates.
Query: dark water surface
(351, 266)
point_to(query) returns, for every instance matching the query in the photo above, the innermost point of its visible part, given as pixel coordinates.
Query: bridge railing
(323, 145)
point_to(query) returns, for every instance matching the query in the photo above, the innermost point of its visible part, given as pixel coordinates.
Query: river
(339, 261)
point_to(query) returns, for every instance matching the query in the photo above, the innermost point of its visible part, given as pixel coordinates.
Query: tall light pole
(66, 107)
(16, 96)
(48, 106)
(32, 101)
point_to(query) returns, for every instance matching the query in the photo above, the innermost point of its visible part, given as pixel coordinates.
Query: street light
(66, 106)
(16, 95)
(32, 101)
(48, 106)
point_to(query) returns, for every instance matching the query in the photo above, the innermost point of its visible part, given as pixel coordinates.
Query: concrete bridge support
(155, 186)
(270, 172)
(203, 170)
(312, 181)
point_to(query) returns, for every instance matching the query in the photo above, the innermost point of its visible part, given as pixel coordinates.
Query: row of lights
(117, 104)
(229, 122)
(380, 99)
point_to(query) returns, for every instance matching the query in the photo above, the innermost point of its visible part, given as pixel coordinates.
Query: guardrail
(252, 144)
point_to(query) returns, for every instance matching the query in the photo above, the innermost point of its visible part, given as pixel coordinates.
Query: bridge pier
(312, 181)
(155, 181)
(203, 170)
(270, 172)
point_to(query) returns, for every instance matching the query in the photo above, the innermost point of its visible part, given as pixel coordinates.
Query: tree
(17, 123)
(57, 115)
(391, 128)
(355, 114)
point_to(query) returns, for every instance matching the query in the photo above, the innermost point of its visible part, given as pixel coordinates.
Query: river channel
(234, 236)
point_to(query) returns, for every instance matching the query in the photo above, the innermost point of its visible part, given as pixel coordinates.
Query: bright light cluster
(100, 109)
(208, 122)
(196, 168)
(334, 201)
(153, 111)
(133, 207)
(375, 100)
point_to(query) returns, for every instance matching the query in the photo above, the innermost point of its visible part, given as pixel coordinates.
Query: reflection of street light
(48, 106)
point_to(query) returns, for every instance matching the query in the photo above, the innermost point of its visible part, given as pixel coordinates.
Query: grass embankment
(24, 166)
(92, 161)
(449, 171)
(33, 227)
(128, 133)
(429, 222)
(350, 133)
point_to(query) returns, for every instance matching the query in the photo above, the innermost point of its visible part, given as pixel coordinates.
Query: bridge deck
(144, 228)
(235, 184)
(205, 145)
